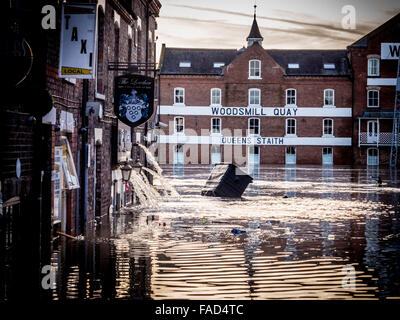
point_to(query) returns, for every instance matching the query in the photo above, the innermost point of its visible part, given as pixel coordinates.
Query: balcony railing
(380, 139)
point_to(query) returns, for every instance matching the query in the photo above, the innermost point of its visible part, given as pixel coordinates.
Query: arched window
(179, 125)
(216, 97)
(215, 126)
(254, 126)
(373, 67)
(179, 96)
(254, 69)
(327, 127)
(329, 97)
(291, 127)
(291, 98)
(254, 97)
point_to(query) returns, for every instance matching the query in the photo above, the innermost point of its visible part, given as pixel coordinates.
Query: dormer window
(329, 66)
(218, 64)
(185, 64)
(254, 69)
(293, 66)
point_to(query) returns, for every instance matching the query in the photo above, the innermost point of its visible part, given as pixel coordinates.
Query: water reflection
(293, 248)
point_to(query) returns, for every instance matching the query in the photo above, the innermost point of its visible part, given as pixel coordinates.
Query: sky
(284, 24)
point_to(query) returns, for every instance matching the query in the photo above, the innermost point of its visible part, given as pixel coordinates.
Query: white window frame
(176, 147)
(258, 127)
(368, 92)
(183, 97)
(329, 135)
(373, 135)
(220, 126)
(215, 150)
(185, 64)
(287, 127)
(219, 94)
(251, 155)
(333, 98)
(286, 154)
(295, 97)
(370, 73)
(368, 157)
(328, 66)
(259, 97)
(323, 153)
(293, 66)
(175, 125)
(219, 64)
(253, 69)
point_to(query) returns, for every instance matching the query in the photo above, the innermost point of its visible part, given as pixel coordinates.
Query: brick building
(44, 121)
(255, 106)
(374, 60)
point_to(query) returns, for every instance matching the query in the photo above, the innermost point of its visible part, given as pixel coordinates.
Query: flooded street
(305, 230)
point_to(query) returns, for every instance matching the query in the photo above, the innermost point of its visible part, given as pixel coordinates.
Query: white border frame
(254, 77)
(179, 103)
(286, 98)
(259, 97)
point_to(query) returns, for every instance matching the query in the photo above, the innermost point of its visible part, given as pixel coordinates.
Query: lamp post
(126, 170)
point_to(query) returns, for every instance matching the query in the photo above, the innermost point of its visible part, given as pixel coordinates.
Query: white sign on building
(390, 51)
(78, 41)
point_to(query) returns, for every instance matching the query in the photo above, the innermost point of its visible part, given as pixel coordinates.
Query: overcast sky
(284, 24)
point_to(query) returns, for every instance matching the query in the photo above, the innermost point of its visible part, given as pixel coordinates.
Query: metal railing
(381, 139)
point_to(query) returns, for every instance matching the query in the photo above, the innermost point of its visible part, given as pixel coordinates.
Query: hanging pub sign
(134, 99)
(78, 41)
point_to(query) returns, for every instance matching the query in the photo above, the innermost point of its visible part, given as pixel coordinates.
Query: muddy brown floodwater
(308, 231)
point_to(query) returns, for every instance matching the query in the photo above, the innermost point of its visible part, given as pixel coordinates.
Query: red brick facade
(235, 85)
(349, 85)
(369, 47)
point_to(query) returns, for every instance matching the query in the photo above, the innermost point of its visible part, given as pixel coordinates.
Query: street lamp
(126, 170)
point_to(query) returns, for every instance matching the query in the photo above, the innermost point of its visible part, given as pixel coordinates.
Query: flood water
(307, 228)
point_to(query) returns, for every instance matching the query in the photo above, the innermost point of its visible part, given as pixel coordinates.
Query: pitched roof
(311, 62)
(364, 40)
(202, 60)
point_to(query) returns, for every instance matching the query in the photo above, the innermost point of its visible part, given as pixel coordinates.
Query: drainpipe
(147, 61)
(84, 158)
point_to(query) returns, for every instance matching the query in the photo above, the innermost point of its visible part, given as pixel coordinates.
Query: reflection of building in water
(253, 190)
(251, 245)
(290, 240)
(254, 171)
(328, 237)
(290, 176)
(179, 170)
(327, 179)
(372, 179)
(372, 241)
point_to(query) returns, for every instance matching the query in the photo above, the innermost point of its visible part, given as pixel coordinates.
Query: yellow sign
(69, 70)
